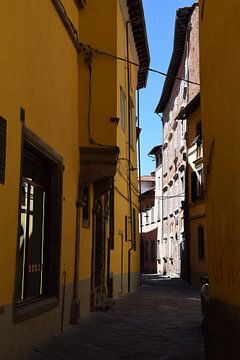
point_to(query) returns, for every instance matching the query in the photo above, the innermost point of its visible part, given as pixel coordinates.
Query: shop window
(40, 224)
(86, 209)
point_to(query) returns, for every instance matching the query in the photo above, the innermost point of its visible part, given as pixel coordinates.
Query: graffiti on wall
(225, 268)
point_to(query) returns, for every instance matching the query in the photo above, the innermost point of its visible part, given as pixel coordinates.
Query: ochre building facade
(68, 184)
(219, 64)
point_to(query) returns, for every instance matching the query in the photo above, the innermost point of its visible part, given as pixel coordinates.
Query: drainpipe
(163, 245)
(111, 236)
(186, 207)
(129, 157)
(140, 184)
(75, 306)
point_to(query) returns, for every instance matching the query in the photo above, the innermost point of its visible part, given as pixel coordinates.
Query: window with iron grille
(40, 226)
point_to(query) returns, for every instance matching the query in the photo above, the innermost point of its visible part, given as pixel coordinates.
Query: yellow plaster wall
(220, 88)
(98, 28)
(50, 81)
(41, 77)
(196, 209)
(121, 178)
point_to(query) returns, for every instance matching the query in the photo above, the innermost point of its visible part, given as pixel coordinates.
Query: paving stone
(161, 320)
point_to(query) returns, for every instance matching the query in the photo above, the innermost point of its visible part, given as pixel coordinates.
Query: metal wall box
(3, 138)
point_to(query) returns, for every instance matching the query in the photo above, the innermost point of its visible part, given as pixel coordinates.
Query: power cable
(142, 66)
(88, 47)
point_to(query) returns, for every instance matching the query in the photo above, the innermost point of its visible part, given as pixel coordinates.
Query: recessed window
(197, 184)
(40, 225)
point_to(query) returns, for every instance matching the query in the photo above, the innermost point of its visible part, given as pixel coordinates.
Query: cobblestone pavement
(160, 321)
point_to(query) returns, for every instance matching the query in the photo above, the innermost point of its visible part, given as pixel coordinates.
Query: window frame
(23, 310)
(197, 184)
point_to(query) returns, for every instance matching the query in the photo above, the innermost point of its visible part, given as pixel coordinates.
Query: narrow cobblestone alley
(160, 321)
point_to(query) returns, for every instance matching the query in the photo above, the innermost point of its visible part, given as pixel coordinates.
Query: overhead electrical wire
(87, 47)
(142, 66)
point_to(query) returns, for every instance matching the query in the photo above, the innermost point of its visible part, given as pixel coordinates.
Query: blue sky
(160, 21)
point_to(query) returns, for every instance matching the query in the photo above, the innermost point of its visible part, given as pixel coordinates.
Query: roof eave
(182, 19)
(136, 14)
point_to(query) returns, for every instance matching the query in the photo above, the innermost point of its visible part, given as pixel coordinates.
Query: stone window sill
(34, 309)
